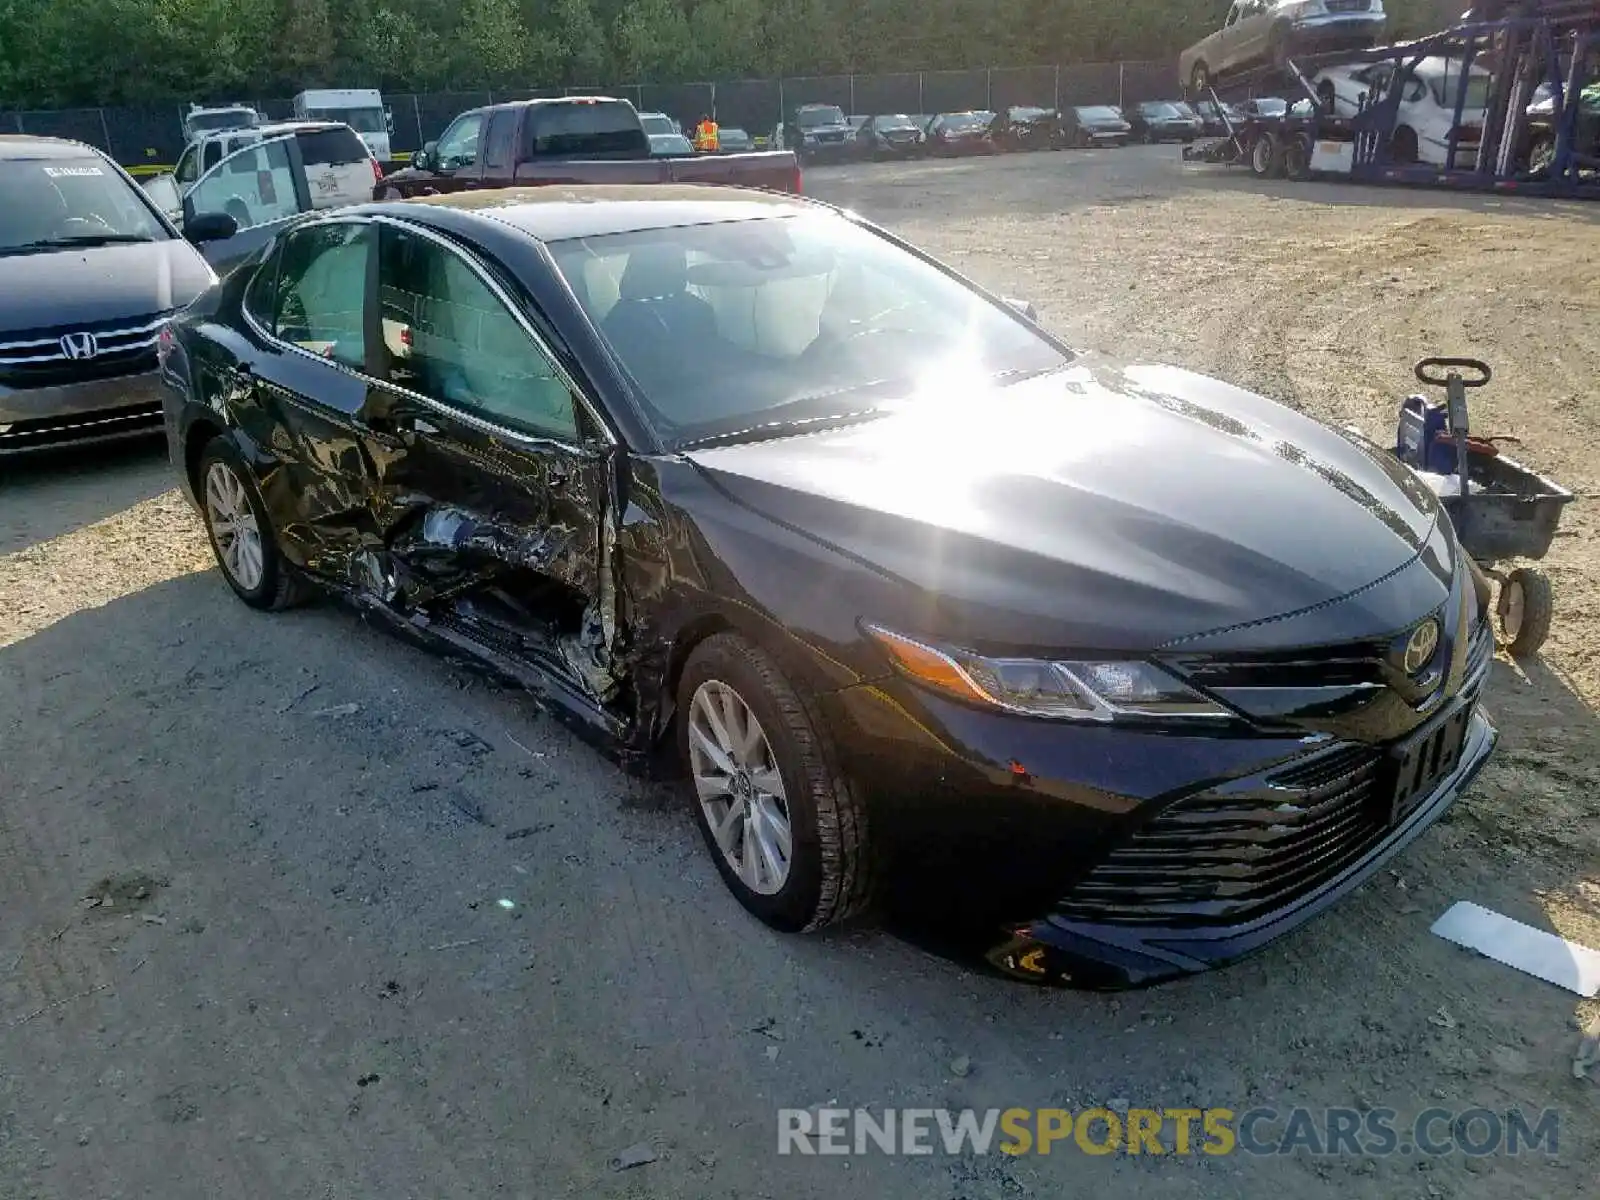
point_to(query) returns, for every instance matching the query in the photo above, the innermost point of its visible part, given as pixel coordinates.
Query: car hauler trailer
(1521, 46)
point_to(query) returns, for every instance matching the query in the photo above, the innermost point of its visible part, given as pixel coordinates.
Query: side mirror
(1025, 307)
(210, 227)
(428, 157)
(388, 118)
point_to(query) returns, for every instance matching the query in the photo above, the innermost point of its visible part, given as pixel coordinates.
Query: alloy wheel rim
(1511, 609)
(234, 527)
(1263, 154)
(739, 786)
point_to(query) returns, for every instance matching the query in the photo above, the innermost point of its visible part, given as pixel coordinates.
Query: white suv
(338, 166)
(1266, 32)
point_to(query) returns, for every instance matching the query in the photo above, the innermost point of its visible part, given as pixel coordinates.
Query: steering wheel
(1481, 372)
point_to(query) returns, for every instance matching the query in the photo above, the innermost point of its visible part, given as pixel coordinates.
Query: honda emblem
(80, 346)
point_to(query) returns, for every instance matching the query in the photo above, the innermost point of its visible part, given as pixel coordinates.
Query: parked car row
(823, 133)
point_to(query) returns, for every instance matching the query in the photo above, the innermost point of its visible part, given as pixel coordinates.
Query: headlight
(1082, 690)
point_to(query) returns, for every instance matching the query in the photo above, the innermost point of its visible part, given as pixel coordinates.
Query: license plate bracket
(1414, 768)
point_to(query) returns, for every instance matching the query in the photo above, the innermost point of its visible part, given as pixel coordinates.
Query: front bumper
(35, 420)
(1107, 856)
(827, 151)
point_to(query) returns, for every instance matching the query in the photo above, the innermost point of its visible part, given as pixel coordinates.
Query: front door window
(449, 337)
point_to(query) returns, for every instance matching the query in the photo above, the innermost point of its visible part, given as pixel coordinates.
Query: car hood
(1104, 506)
(99, 283)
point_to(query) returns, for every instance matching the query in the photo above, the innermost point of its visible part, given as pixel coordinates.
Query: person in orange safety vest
(706, 136)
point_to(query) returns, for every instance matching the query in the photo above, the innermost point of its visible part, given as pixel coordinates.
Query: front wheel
(241, 532)
(1541, 154)
(1199, 80)
(1403, 145)
(1525, 610)
(787, 832)
(1266, 160)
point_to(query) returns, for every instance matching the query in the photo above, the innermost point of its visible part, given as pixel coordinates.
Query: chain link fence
(150, 139)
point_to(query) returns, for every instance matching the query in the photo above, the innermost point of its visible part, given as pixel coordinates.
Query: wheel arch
(659, 688)
(201, 433)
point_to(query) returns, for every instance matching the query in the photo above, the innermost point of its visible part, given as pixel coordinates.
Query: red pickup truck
(574, 139)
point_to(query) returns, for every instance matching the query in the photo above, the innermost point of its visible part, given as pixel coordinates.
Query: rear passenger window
(500, 140)
(321, 291)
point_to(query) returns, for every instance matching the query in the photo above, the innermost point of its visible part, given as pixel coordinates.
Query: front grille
(43, 433)
(39, 360)
(1347, 6)
(1349, 664)
(1227, 856)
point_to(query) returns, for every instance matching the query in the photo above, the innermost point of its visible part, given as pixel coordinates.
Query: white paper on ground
(1543, 955)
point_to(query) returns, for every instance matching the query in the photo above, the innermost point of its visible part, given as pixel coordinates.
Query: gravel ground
(378, 929)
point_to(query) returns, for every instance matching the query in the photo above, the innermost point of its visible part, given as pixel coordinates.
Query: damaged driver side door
(491, 480)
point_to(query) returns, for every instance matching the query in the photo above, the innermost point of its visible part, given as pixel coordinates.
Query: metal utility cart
(1501, 510)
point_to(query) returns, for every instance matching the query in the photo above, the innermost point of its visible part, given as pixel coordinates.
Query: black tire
(1541, 154)
(1266, 156)
(1297, 158)
(1403, 145)
(280, 585)
(1199, 80)
(1522, 632)
(830, 876)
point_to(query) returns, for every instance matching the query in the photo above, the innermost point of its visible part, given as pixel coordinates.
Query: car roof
(553, 212)
(15, 147)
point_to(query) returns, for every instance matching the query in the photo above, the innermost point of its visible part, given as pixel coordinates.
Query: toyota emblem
(80, 346)
(1424, 640)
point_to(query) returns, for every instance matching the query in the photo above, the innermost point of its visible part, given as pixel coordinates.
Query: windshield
(1183, 110)
(1159, 110)
(899, 121)
(810, 118)
(1099, 112)
(1029, 114)
(657, 123)
(64, 202)
(1271, 108)
(960, 121)
(1444, 91)
(362, 120)
(730, 326)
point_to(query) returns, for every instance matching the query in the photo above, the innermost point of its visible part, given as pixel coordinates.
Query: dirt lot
(308, 984)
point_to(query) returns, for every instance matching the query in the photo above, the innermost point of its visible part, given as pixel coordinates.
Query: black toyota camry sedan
(895, 580)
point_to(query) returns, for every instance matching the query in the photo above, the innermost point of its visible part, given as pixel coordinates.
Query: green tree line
(63, 53)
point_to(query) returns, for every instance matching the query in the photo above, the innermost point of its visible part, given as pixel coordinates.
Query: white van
(360, 108)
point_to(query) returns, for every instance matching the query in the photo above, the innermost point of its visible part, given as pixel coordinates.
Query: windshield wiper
(75, 241)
